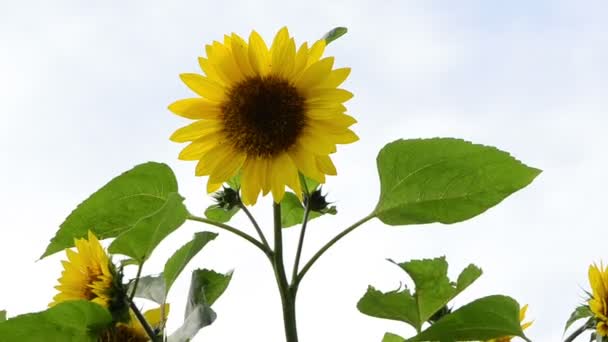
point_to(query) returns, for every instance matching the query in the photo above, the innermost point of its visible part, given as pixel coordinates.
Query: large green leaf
(389, 337)
(395, 305)
(483, 319)
(583, 311)
(76, 321)
(218, 214)
(206, 286)
(139, 242)
(178, 261)
(117, 206)
(292, 211)
(444, 180)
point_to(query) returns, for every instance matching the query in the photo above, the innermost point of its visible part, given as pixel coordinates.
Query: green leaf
(433, 287)
(309, 184)
(139, 242)
(206, 286)
(394, 305)
(2, 315)
(292, 211)
(388, 337)
(75, 321)
(117, 206)
(178, 261)
(483, 319)
(235, 181)
(219, 214)
(213, 284)
(444, 180)
(334, 34)
(152, 288)
(583, 311)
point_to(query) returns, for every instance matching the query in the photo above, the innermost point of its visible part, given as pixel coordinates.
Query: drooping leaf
(334, 34)
(213, 285)
(71, 321)
(444, 180)
(152, 288)
(433, 287)
(292, 211)
(218, 214)
(397, 305)
(2, 315)
(139, 242)
(582, 311)
(178, 261)
(389, 337)
(206, 286)
(117, 206)
(483, 319)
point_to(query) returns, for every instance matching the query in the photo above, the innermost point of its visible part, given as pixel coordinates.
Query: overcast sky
(83, 97)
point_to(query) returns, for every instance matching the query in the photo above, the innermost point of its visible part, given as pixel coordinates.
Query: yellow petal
(301, 60)
(204, 87)
(211, 72)
(306, 163)
(211, 159)
(326, 165)
(316, 51)
(335, 78)
(316, 143)
(250, 188)
(282, 53)
(196, 130)
(198, 147)
(315, 74)
(227, 167)
(328, 95)
(241, 55)
(279, 171)
(347, 137)
(258, 54)
(224, 62)
(196, 108)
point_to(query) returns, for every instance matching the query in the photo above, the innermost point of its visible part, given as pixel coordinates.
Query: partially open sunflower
(268, 113)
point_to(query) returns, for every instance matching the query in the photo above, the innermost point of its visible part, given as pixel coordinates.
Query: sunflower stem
(296, 264)
(144, 323)
(288, 297)
(580, 330)
(328, 246)
(136, 282)
(267, 251)
(255, 225)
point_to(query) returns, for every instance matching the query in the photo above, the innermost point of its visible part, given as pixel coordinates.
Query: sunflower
(87, 274)
(268, 113)
(133, 331)
(598, 279)
(524, 326)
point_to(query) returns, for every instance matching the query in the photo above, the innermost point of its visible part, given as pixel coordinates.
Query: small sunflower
(598, 279)
(524, 326)
(133, 331)
(270, 113)
(87, 274)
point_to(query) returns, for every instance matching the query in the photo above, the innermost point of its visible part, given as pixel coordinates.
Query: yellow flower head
(270, 113)
(524, 326)
(598, 279)
(86, 274)
(133, 331)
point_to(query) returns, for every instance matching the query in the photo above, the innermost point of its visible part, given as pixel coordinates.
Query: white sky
(83, 97)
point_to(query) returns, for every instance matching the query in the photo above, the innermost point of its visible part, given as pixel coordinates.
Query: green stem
(235, 231)
(288, 298)
(144, 323)
(255, 225)
(139, 268)
(296, 264)
(328, 246)
(579, 331)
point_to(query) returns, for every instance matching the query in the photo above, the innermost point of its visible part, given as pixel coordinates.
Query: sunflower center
(263, 116)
